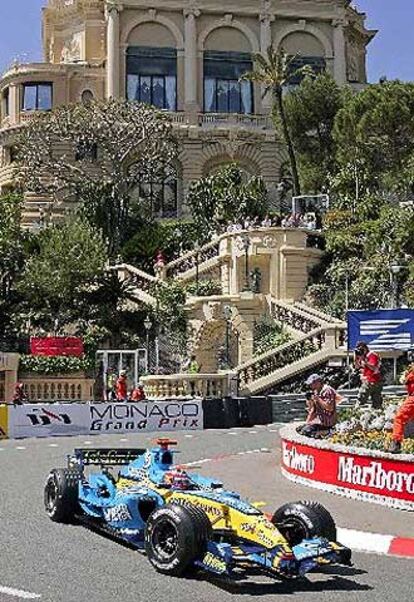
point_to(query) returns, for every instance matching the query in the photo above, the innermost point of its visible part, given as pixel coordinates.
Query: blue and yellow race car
(183, 519)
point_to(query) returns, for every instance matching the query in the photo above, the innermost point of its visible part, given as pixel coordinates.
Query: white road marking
(87, 442)
(123, 440)
(188, 436)
(53, 445)
(232, 434)
(18, 593)
(365, 542)
(253, 432)
(20, 447)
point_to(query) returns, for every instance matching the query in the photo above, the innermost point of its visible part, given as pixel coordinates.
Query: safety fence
(73, 419)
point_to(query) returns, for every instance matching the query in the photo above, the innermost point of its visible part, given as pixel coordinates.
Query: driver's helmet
(177, 479)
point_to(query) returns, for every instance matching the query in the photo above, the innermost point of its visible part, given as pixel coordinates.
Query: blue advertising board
(382, 329)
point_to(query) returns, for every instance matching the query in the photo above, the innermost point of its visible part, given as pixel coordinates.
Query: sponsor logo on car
(214, 562)
(117, 514)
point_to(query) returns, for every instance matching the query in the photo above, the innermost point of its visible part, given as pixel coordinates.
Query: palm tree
(275, 71)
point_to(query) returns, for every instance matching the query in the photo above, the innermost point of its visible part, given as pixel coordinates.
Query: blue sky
(391, 53)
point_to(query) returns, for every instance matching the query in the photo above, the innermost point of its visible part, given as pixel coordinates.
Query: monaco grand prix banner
(369, 478)
(51, 420)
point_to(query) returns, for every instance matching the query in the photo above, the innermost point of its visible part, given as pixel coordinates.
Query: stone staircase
(292, 359)
(318, 337)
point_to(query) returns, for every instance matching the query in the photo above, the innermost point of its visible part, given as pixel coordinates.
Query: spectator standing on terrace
(321, 406)
(405, 414)
(19, 396)
(369, 365)
(121, 386)
(138, 394)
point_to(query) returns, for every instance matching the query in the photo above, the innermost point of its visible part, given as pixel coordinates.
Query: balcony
(226, 120)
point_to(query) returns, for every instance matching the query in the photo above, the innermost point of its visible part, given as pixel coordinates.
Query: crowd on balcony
(310, 221)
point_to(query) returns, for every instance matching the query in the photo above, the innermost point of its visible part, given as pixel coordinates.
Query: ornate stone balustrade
(183, 385)
(287, 355)
(139, 282)
(189, 261)
(216, 119)
(317, 313)
(41, 388)
(294, 317)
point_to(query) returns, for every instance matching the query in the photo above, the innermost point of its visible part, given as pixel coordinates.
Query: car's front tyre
(304, 520)
(175, 536)
(61, 494)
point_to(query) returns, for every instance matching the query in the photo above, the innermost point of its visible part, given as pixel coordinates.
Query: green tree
(97, 153)
(275, 72)
(226, 196)
(70, 261)
(361, 247)
(311, 110)
(12, 243)
(374, 135)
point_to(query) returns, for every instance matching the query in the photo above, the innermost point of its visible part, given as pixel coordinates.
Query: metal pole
(348, 357)
(246, 275)
(157, 355)
(148, 355)
(228, 343)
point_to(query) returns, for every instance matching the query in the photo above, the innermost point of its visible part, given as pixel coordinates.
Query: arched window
(152, 76)
(157, 192)
(223, 90)
(307, 49)
(86, 96)
(227, 56)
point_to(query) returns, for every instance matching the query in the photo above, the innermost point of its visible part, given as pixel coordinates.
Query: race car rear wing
(105, 456)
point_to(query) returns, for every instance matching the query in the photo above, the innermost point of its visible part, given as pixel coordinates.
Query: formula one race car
(184, 520)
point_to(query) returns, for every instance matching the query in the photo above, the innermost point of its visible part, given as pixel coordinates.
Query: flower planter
(366, 475)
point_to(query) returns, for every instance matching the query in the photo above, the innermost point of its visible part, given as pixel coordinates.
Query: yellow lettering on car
(214, 562)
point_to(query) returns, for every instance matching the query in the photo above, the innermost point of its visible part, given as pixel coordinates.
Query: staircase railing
(293, 317)
(317, 313)
(193, 259)
(140, 283)
(289, 354)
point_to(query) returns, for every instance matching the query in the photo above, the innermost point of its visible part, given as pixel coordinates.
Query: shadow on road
(337, 583)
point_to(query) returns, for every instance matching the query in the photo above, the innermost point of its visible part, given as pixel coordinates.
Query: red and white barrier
(366, 475)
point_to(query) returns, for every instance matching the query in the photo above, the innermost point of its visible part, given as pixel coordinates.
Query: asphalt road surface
(50, 562)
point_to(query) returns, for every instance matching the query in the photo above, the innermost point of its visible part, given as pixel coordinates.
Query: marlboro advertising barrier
(366, 477)
(51, 420)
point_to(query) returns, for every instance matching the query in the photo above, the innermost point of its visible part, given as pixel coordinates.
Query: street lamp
(227, 315)
(395, 269)
(246, 244)
(148, 325)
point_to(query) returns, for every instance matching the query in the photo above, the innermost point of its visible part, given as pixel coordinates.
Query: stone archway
(210, 345)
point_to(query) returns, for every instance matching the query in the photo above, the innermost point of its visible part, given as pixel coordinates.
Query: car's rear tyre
(303, 520)
(175, 536)
(61, 494)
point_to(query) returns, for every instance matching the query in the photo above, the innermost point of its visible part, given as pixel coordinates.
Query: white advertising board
(51, 420)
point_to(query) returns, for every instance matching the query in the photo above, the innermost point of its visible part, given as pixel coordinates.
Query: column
(339, 51)
(14, 104)
(112, 49)
(266, 41)
(190, 60)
